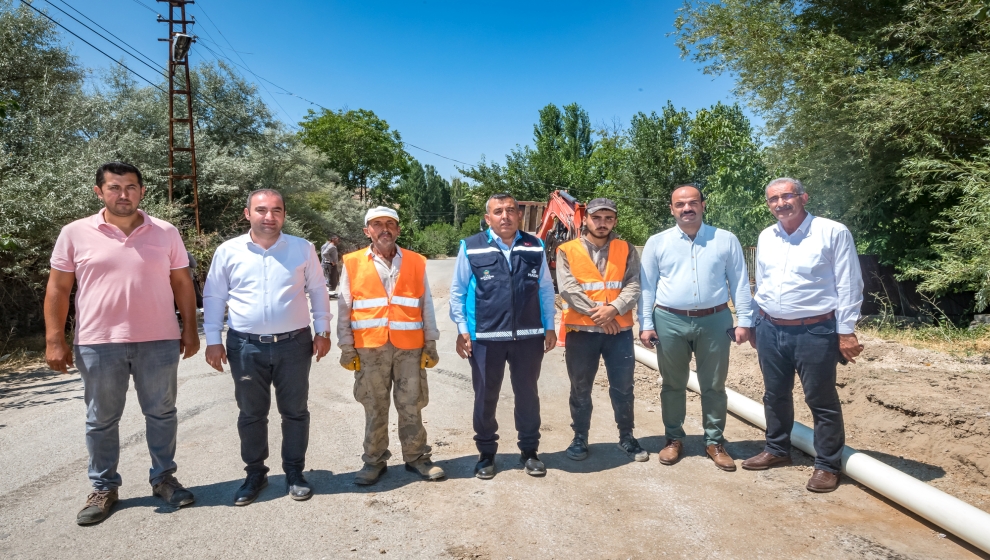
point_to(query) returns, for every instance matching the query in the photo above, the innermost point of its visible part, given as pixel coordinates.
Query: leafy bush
(436, 240)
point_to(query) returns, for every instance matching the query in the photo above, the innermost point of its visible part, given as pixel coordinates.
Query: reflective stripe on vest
(601, 289)
(377, 319)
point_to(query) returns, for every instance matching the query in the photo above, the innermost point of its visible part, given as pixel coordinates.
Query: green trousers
(706, 337)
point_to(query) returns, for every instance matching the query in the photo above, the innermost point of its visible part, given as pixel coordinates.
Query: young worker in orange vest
(598, 278)
(387, 333)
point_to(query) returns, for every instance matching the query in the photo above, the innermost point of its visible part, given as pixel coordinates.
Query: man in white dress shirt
(689, 272)
(263, 278)
(809, 290)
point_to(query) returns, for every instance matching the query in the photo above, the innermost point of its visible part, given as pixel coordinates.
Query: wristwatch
(324, 334)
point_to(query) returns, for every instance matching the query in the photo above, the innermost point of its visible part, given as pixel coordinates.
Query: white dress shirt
(388, 274)
(810, 272)
(265, 291)
(688, 274)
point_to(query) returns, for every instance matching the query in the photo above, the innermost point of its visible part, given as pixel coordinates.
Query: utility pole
(178, 56)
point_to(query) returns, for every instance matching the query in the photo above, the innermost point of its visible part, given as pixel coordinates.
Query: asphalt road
(604, 507)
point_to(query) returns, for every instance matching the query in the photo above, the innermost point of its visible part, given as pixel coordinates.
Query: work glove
(349, 358)
(430, 357)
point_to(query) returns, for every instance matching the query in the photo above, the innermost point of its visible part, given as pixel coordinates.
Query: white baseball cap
(381, 212)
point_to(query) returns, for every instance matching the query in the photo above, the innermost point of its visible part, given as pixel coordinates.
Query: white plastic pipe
(952, 514)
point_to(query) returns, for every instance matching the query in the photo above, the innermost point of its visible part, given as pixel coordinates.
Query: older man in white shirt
(689, 272)
(263, 279)
(809, 290)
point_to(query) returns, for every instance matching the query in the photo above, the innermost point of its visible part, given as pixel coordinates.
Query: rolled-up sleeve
(316, 288)
(344, 333)
(848, 282)
(738, 277)
(430, 330)
(215, 294)
(649, 275)
(459, 289)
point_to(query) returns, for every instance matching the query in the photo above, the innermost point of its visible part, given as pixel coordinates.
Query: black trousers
(583, 352)
(256, 366)
(812, 351)
(488, 359)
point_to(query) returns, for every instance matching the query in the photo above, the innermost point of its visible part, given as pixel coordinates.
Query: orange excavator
(555, 222)
(559, 220)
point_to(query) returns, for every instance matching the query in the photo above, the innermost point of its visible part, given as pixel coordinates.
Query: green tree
(361, 147)
(856, 95)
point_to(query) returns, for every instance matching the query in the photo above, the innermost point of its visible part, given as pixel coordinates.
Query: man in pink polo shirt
(131, 271)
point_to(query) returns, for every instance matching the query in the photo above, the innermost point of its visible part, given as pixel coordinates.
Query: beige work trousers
(389, 370)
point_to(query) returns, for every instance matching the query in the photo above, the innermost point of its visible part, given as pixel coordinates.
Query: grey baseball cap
(601, 204)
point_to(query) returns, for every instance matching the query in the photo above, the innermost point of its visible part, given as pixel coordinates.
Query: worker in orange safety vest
(387, 334)
(598, 279)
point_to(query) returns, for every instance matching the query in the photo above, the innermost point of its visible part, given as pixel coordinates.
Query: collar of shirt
(250, 241)
(704, 232)
(499, 241)
(99, 221)
(803, 228)
(395, 260)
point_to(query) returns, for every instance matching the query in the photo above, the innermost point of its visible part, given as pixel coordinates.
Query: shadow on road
(38, 387)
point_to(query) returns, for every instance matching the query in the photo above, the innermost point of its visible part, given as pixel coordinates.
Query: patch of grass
(18, 354)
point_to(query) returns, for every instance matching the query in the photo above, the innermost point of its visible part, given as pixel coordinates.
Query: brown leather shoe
(823, 481)
(671, 452)
(765, 460)
(721, 457)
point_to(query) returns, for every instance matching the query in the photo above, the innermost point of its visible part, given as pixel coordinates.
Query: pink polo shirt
(123, 293)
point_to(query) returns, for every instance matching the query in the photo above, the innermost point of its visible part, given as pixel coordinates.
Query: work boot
(370, 473)
(172, 492)
(426, 469)
(629, 444)
(253, 485)
(297, 486)
(721, 457)
(823, 481)
(671, 452)
(765, 460)
(97, 507)
(485, 469)
(532, 464)
(578, 449)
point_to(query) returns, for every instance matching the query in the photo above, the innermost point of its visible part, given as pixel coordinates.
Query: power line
(135, 51)
(208, 18)
(146, 7)
(159, 68)
(56, 22)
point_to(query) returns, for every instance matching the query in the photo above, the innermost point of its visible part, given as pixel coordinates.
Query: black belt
(696, 312)
(269, 338)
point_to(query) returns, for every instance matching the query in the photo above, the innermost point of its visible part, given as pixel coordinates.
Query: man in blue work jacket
(502, 300)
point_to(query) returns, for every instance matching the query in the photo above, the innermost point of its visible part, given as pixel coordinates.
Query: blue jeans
(106, 370)
(582, 352)
(813, 351)
(256, 366)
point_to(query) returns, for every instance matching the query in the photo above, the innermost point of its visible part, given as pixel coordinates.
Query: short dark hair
(500, 196)
(701, 193)
(247, 203)
(117, 168)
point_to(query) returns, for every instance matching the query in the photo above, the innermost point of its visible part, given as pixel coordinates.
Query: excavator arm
(562, 221)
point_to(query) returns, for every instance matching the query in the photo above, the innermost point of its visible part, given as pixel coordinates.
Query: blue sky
(462, 79)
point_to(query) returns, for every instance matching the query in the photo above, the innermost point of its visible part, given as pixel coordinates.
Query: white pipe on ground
(952, 514)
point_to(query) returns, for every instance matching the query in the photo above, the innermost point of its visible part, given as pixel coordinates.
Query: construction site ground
(919, 411)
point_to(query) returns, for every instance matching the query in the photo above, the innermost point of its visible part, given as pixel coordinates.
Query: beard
(121, 212)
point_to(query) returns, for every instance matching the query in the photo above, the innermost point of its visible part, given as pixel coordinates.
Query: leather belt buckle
(267, 338)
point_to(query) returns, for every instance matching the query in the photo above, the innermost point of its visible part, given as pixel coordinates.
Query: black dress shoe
(299, 488)
(532, 464)
(248, 492)
(485, 469)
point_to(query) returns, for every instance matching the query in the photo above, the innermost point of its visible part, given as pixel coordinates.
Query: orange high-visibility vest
(376, 318)
(601, 289)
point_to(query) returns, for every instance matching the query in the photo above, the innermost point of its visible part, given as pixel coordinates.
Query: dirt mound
(922, 412)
